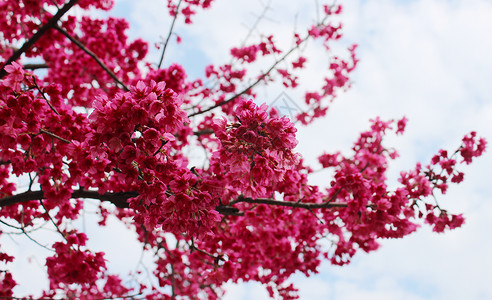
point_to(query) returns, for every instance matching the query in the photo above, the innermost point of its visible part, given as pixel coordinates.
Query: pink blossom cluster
(133, 137)
(255, 151)
(7, 282)
(189, 8)
(85, 266)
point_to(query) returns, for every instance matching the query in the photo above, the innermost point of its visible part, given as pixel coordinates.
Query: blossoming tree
(83, 116)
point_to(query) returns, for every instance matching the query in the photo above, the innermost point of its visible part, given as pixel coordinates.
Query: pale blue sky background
(428, 60)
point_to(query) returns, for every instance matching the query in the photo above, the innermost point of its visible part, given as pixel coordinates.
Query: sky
(427, 60)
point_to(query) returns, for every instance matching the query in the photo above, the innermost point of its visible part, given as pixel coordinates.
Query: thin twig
(266, 7)
(10, 225)
(22, 229)
(54, 136)
(169, 35)
(41, 31)
(36, 242)
(55, 4)
(193, 247)
(42, 94)
(315, 215)
(31, 182)
(162, 145)
(53, 221)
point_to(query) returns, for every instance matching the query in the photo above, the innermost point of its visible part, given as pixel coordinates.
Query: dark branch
(93, 55)
(5, 162)
(203, 132)
(42, 94)
(118, 199)
(269, 201)
(228, 210)
(54, 136)
(41, 31)
(35, 66)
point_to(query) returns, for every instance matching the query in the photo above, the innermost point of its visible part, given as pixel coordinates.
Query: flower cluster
(133, 136)
(189, 9)
(472, 147)
(255, 151)
(7, 282)
(72, 265)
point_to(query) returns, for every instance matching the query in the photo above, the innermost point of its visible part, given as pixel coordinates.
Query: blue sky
(428, 60)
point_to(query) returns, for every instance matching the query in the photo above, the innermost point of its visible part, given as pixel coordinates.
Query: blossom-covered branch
(39, 33)
(91, 54)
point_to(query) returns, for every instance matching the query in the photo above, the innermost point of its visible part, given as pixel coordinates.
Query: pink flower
(15, 76)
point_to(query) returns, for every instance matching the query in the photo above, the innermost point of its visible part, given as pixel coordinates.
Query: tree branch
(93, 55)
(269, 201)
(169, 35)
(41, 31)
(5, 162)
(203, 132)
(266, 7)
(53, 221)
(35, 66)
(118, 199)
(54, 136)
(42, 94)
